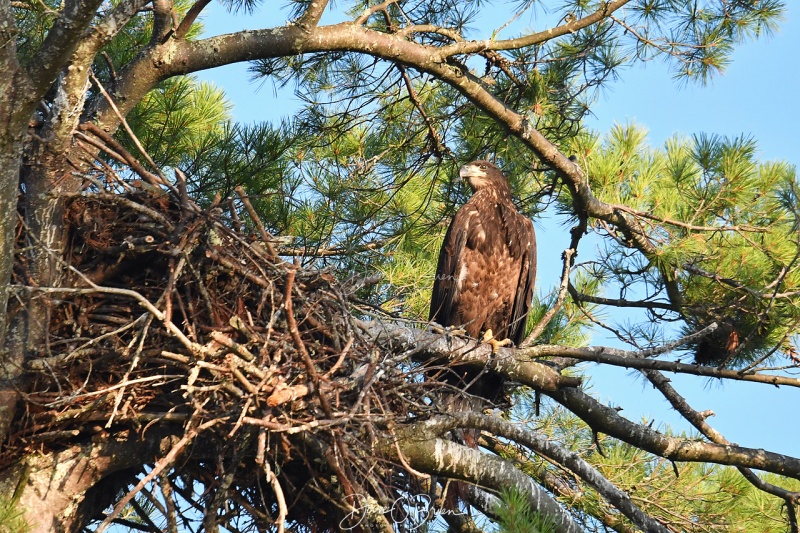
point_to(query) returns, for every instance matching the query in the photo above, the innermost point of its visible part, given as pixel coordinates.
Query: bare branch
(572, 26)
(428, 346)
(191, 16)
(602, 418)
(543, 445)
(616, 302)
(638, 360)
(562, 292)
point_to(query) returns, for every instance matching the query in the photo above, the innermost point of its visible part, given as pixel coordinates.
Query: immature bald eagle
(487, 267)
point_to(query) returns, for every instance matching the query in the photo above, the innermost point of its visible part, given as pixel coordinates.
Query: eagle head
(484, 175)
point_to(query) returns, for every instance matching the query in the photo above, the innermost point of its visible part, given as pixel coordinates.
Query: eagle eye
(483, 167)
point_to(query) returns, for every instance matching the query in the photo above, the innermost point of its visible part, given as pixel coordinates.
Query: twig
(128, 129)
(163, 463)
(562, 292)
(265, 235)
(298, 340)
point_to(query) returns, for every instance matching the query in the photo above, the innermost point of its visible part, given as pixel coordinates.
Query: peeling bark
(52, 488)
(442, 457)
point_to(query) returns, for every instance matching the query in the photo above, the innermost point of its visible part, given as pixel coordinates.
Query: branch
(684, 225)
(446, 458)
(601, 418)
(163, 463)
(427, 346)
(698, 420)
(368, 12)
(616, 302)
(562, 292)
(191, 16)
(572, 26)
(628, 359)
(312, 15)
(163, 21)
(61, 40)
(544, 446)
(121, 151)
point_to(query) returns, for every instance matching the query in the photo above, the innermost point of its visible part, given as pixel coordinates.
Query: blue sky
(757, 96)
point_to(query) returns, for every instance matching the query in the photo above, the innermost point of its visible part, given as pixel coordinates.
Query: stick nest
(174, 316)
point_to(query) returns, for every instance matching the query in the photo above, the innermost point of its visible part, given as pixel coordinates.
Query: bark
(426, 346)
(54, 489)
(607, 420)
(430, 454)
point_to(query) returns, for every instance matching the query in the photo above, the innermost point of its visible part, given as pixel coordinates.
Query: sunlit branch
(562, 293)
(625, 359)
(684, 225)
(429, 346)
(312, 15)
(191, 16)
(470, 47)
(616, 302)
(605, 419)
(436, 140)
(367, 13)
(568, 459)
(698, 420)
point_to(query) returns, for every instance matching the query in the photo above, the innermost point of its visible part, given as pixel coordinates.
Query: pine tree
(128, 173)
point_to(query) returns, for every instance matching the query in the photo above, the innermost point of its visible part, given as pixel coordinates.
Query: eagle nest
(185, 321)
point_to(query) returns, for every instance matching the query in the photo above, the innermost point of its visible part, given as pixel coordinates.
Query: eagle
(486, 270)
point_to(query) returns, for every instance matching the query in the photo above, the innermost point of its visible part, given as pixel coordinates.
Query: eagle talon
(452, 331)
(488, 338)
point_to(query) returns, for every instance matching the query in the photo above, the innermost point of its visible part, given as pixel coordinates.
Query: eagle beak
(473, 175)
(470, 171)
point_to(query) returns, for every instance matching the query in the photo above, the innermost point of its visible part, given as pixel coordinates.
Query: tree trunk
(61, 491)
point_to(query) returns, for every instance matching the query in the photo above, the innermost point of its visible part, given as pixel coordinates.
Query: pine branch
(428, 346)
(437, 456)
(571, 26)
(638, 360)
(546, 447)
(601, 418)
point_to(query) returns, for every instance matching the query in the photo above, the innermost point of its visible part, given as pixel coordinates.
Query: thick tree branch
(59, 44)
(311, 17)
(191, 16)
(426, 346)
(607, 420)
(544, 446)
(163, 21)
(420, 446)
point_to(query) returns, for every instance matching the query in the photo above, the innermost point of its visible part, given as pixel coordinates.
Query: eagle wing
(527, 277)
(445, 285)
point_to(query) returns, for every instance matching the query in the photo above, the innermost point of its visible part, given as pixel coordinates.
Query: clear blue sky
(757, 95)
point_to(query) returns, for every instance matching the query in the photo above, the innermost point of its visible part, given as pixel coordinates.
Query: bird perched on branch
(486, 271)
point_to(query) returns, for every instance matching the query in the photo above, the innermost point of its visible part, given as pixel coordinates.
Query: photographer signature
(412, 511)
